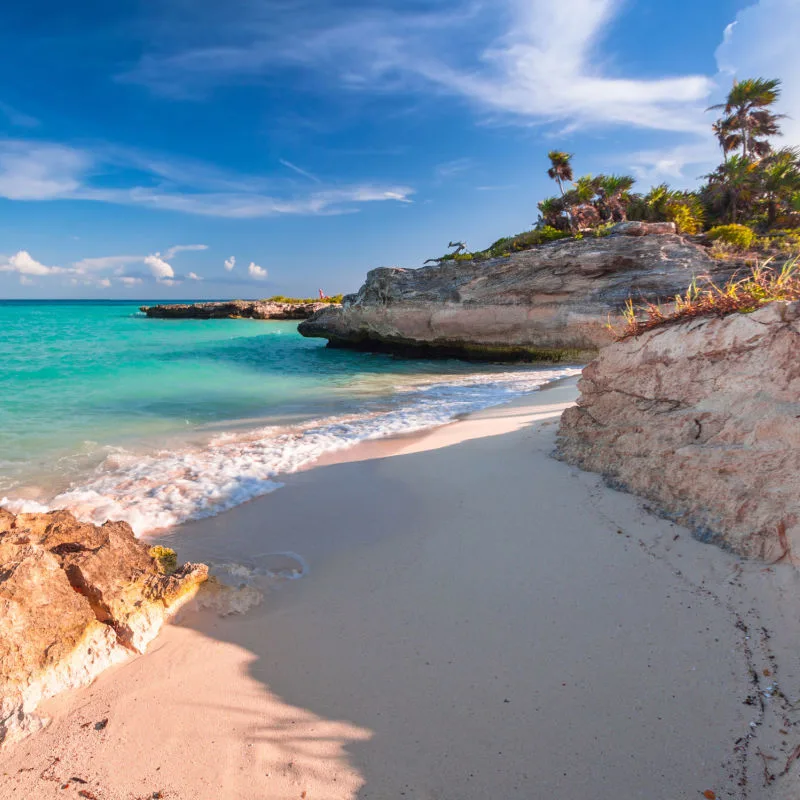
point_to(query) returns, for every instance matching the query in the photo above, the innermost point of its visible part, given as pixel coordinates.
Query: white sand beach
(478, 621)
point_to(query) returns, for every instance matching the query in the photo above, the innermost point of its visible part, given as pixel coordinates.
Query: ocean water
(116, 416)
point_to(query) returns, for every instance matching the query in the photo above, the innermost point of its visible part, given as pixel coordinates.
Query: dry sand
(479, 622)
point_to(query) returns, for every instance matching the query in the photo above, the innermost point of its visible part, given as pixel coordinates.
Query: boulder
(702, 418)
(549, 303)
(74, 599)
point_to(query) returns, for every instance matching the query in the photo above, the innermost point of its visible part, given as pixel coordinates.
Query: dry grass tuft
(704, 298)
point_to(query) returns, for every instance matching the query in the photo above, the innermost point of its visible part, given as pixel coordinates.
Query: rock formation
(548, 303)
(702, 417)
(234, 309)
(74, 599)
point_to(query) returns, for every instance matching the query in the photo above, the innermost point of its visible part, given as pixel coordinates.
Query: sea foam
(166, 487)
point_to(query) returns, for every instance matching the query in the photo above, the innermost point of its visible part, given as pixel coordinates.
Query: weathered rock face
(703, 419)
(234, 309)
(550, 303)
(74, 599)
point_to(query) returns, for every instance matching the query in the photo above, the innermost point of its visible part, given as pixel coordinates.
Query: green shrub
(282, 298)
(166, 559)
(687, 218)
(606, 229)
(738, 236)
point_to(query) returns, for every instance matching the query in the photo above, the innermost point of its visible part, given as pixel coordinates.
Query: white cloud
(129, 281)
(193, 276)
(763, 42)
(40, 171)
(106, 262)
(46, 171)
(230, 263)
(104, 283)
(259, 273)
(530, 60)
(180, 248)
(681, 166)
(162, 271)
(23, 263)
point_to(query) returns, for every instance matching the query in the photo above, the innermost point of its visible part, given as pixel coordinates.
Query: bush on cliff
(740, 237)
(764, 284)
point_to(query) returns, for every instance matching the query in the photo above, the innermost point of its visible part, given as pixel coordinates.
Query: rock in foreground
(74, 599)
(234, 309)
(702, 418)
(549, 303)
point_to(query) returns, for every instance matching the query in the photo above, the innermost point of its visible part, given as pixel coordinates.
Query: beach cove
(486, 622)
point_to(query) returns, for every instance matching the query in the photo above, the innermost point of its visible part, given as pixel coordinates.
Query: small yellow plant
(166, 559)
(764, 284)
(739, 237)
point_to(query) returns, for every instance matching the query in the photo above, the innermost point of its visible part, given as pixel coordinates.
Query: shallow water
(117, 416)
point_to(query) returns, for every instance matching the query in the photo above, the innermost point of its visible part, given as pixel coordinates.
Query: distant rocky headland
(551, 302)
(237, 309)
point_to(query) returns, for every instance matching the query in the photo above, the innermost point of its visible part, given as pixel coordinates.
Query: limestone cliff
(703, 419)
(74, 599)
(550, 303)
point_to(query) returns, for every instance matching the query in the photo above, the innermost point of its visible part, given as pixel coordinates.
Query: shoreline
(157, 484)
(479, 620)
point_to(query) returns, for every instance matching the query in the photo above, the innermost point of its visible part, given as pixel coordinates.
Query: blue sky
(206, 149)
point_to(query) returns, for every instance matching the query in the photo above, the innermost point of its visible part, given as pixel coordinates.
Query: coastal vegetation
(749, 204)
(764, 284)
(165, 557)
(282, 298)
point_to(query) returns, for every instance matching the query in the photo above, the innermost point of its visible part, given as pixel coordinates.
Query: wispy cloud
(763, 41)
(452, 168)
(51, 171)
(103, 263)
(17, 117)
(528, 60)
(300, 171)
(182, 248)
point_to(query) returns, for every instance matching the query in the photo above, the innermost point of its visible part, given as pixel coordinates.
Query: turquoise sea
(117, 416)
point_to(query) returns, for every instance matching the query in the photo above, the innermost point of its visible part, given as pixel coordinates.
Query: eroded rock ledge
(703, 419)
(234, 309)
(551, 303)
(75, 598)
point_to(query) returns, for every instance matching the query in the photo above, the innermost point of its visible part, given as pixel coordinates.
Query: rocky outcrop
(703, 419)
(234, 309)
(549, 303)
(74, 599)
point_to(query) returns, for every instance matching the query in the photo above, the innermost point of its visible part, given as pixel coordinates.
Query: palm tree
(733, 185)
(747, 114)
(614, 195)
(552, 210)
(560, 168)
(726, 135)
(780, 180)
